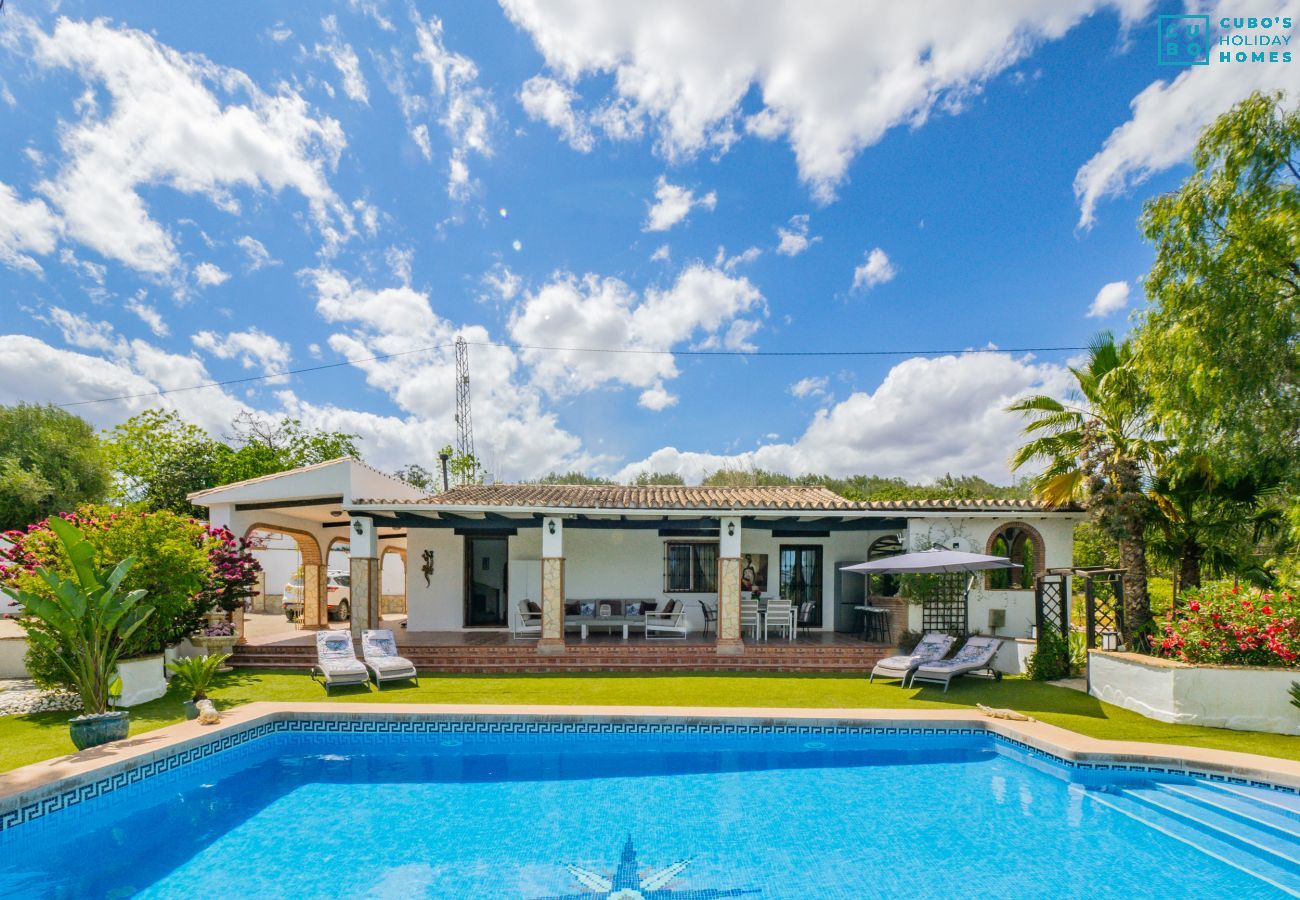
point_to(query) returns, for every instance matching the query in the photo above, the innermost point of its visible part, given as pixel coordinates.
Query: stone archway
(314, 611)
(1016, 541)
(401, 554)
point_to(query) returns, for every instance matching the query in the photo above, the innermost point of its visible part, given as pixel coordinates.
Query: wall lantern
(550, 526)
(357, 526)
(1110, 640)
(731, 529)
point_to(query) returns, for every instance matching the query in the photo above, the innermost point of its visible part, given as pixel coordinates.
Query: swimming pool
(543, 809)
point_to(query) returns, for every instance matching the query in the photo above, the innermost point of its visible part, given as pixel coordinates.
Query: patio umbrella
(936, 559)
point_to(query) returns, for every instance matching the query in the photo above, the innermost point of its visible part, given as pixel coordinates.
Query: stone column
(552, 640)
(315, 614)
(363, 566)
(730, 642)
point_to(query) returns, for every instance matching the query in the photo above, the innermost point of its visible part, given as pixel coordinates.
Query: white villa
(542, 562)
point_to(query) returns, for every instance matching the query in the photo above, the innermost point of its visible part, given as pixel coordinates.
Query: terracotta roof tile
(777, 497)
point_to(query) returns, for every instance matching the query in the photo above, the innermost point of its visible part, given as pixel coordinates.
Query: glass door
(801, 582)
(486, 583)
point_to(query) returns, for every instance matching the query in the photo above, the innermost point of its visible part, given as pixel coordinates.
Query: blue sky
(200, 193)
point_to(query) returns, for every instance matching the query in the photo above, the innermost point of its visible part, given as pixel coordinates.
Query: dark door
(801, 582)
(486, 581)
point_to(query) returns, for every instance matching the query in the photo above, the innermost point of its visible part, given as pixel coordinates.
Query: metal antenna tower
(464, 426)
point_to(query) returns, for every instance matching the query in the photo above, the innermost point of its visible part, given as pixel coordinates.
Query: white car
(338, 597)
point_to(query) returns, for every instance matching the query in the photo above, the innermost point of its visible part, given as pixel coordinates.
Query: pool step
(1259, 841)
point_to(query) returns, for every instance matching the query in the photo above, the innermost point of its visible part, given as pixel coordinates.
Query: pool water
(666, 812)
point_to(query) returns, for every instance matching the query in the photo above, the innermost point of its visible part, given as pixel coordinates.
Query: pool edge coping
(48, 778)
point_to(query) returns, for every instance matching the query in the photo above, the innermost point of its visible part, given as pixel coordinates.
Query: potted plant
(84, 627)
(216, 638)
(194, 674)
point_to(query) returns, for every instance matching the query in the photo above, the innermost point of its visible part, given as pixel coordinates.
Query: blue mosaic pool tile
(228, 747)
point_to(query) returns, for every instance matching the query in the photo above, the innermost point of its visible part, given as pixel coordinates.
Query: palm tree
(1214, 523)
(1100, 447)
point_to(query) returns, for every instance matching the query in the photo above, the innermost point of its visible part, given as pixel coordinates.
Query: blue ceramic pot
(91, 731)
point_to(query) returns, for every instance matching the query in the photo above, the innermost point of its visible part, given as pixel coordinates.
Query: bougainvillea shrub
(1226, 625)
(186, 567)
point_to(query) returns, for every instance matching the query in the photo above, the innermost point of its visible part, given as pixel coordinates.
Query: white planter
(1013, 656)
(142, 680)
(1240, 698)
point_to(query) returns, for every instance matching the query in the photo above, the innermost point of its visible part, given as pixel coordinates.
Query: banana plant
(86, 622)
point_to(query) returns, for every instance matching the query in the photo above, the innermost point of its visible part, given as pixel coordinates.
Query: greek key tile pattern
(461, 731)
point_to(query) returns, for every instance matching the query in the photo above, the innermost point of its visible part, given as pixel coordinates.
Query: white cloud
(502, 284)
(467, 109)
(420, 134)
(255, 349)
(957, 402)
(168, 126)
(125, 368)
(810, 387)
(509, 419)
(673, 204)
(370, 9)
(830, 82)
(551, 101)
(345, 60)
(875, 269)
(704, 304)
(79, 331)
(657, 398)
(400, 260)
(795, 238)
(258, 256)
(279, 33)
(26, 227)
(1109, 299)
(148, 315)
(1167, 117)
(731, 263)
(662, 254)
(210, 275)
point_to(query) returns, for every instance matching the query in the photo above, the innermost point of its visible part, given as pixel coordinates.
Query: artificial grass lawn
(28, 739)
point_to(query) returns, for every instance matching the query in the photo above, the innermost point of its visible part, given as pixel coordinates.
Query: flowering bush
(186, 567)
(1226, 625)
(218, 629)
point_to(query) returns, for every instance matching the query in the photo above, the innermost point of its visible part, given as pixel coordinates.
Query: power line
(759, 354)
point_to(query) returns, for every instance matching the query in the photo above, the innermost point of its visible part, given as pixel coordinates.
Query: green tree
(418, 476)
(1218, 345)
(1100, 447)
(646, 479)
(574, 477)
(159, 458)
(50, 462)
(464, 467)
(267, 446)
(1212, 523)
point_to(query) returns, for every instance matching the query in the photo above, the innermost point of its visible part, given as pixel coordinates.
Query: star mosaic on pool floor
(628, 884)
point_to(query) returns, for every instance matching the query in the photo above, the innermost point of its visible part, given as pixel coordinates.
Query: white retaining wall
(12, 652)
(1243, 699)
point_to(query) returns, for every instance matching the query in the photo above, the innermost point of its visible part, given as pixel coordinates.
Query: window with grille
(1020, 545)
(690, 567)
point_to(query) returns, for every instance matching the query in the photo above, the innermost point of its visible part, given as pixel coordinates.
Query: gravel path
(19, 696)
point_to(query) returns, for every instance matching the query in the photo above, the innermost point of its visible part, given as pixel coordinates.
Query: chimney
(442, 459)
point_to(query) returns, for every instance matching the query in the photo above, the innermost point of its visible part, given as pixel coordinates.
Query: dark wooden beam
(287, 504)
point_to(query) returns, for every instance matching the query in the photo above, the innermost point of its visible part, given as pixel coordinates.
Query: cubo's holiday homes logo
(1186, 40)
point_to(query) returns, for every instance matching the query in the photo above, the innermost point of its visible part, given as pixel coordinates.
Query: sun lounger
(336, 661)
(977, 655)
(379, 652)
(932, 647)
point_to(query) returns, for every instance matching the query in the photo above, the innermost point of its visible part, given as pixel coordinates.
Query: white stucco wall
(12, 652)
(1243, 699)
(971, 535)
(628, 564)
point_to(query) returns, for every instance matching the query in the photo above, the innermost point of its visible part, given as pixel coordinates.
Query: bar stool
(875, 624)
